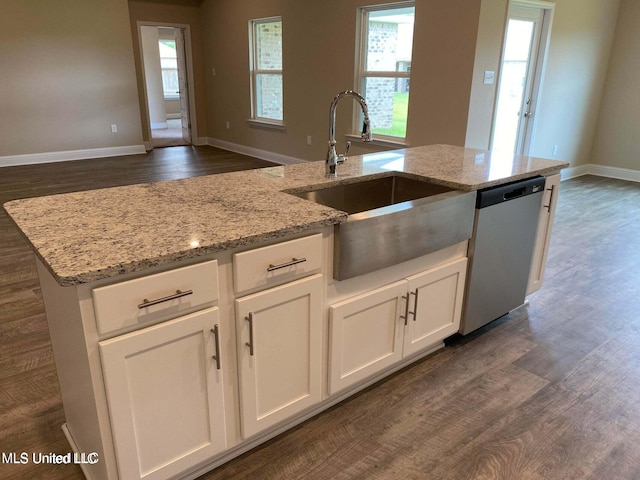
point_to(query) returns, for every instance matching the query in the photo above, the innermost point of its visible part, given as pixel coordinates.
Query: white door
(366, 334)
(164, 391)
(436, 305)
(279, 335)
(520, 77)
(184, 85)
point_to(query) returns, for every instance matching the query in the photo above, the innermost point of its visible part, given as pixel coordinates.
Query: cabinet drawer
(272, 265)
(155, 298)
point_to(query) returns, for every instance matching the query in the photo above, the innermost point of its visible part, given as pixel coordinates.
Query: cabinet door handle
(405, 317)
(415, 305)
(250, 342)
(552, 190)
(147, 303)
(216, 357)
(294, 261)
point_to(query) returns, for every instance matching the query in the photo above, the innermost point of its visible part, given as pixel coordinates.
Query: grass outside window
(399, 119)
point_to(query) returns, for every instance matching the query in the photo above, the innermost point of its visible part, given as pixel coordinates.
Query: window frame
(169, 96)
(255, 72)
(361, 58)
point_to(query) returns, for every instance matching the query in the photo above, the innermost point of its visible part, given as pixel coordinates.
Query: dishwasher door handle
(518, 192)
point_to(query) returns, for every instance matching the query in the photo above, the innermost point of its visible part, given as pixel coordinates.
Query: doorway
(165, 58)
(523, 59)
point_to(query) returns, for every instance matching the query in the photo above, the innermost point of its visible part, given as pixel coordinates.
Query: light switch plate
(489, 77)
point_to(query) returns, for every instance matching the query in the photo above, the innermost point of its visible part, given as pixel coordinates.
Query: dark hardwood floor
(550, 391)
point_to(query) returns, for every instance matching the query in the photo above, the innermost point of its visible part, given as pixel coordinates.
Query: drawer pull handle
(415, 305)
(552, 189)
(216, 357)
(405, 317)
(179, 294)
(294, 261)
(250, 342)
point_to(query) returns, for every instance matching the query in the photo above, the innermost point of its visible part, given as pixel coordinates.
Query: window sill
(378, 141)
(266, 124)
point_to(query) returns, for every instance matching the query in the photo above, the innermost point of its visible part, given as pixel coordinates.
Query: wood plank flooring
(30, 405)
(550, 391)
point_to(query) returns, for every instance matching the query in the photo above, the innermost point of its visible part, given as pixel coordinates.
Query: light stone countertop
(86, 236)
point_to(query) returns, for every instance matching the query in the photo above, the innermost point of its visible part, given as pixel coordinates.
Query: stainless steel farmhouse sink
(393, 219)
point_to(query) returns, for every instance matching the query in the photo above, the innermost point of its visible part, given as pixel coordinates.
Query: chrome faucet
(333, 159)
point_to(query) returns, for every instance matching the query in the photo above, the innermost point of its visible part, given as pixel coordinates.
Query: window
(169, 66)
(266, 69)
(384, 66)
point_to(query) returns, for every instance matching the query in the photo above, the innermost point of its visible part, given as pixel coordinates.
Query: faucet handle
(343, 156)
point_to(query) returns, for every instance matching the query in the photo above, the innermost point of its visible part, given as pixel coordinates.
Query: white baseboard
(615, 172)
(601, 171)
(159, 126)
(254, 152)
(573, 172)
(172, 116)
(49, 157)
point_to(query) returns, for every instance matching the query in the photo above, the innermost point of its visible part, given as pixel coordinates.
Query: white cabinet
(437, 305)
(375, 330)
(365, 334)
(154, 298)
(543, 235)
(279, 334)
(165, 396)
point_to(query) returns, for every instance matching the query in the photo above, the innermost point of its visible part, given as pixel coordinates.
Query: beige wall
(67, 75)
(186, 12)
(491, 29)
(319, 52)
(618, 134)
(581, 38)
(153, 76)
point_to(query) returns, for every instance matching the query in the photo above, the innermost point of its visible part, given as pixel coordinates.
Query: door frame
(548, 9)
(186, 29)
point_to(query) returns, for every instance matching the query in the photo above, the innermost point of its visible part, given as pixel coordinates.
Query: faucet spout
(333, 158)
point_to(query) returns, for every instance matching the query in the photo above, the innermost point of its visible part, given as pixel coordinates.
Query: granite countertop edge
(261, 191)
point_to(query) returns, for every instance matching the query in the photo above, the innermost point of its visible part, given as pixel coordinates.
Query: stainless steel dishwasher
(500, 251)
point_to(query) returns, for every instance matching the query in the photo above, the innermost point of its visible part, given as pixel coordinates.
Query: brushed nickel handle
(216, 357)
(294, 261)
(250, 342)
(415, 304)
(179, 294)
(552, 190)
(405, 317)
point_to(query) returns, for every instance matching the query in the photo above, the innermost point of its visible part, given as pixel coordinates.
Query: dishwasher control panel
(509, 191)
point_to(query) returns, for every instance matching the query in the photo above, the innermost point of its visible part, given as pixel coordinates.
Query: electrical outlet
(308, 139)
(479, 160)
(228, 125)
(114, 128)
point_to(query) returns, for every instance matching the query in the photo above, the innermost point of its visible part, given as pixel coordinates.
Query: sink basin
(372, 194)
(393, 219)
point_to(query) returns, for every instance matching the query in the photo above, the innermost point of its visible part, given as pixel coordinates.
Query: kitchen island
(126, 363)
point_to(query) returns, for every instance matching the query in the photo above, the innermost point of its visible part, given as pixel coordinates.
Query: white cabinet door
(165, 396)
(435, 305)
(279, 352)
(543, 235)
(365, 334)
